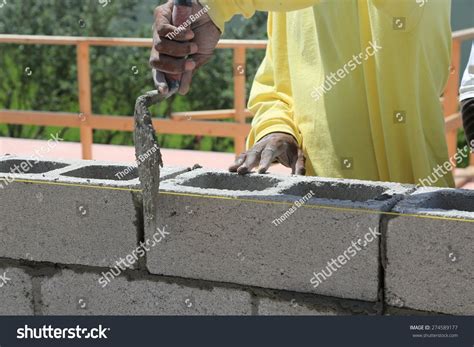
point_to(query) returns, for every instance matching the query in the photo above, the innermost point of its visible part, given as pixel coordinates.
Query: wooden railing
(197, 123)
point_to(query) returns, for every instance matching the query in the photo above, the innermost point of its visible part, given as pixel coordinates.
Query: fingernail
(163, 89)
(194, 48)
(242, 170)
(189, 65)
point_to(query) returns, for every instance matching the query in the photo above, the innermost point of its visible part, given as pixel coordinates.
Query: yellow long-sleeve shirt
(356, 82)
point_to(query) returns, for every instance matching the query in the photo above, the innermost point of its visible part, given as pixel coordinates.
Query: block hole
(101, 172)
(29, 166)
(450, 201)
(339, 191)
(228, 181)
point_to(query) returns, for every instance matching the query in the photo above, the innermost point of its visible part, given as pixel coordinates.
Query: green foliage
(44, 78)
(462, 143)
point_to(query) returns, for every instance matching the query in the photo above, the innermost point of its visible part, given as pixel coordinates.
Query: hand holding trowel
(147, 150)
(184, 38)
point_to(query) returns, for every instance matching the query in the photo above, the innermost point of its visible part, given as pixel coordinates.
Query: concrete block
(269, 307)
(92, 172)
(396, 311)
(28, 166)
(296, 304)
(74, 293)
(16, 292)
(75, 172)
(102, 173)
(79, 213)
(222, 229)
(430, 261)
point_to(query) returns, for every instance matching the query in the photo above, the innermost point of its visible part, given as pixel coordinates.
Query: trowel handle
(182, 10)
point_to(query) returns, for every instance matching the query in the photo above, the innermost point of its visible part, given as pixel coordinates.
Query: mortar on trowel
(147, 150)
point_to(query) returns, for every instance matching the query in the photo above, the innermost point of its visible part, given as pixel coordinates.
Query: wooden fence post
(240, 100)
(85, 99)
(450, 102)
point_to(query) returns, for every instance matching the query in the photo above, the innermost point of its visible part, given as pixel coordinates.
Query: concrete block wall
(209, 224)
(64, 224)
(64, 220)
(16, 291)
(429, 262)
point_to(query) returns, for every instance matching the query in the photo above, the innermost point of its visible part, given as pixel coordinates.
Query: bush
(44, 78)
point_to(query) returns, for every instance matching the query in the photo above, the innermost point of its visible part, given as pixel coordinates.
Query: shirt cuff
(222, 11)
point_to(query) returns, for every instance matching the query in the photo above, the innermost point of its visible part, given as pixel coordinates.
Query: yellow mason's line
(342, 209)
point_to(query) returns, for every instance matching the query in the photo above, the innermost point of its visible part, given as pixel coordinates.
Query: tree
(44, 77)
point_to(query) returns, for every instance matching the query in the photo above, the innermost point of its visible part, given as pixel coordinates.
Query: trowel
(147, 150)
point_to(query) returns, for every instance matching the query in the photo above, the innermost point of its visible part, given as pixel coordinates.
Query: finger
(161, 84)
(267, 158)
(158, 77)
(200, 60)
(285, 158)
(287, 151)
(154, 55)
(252, 160)
(300, 167)
(185, 83)
(293, 161)
(175, 48)
(163, 24)
(170, 65)
(239, 161)
(174, 33)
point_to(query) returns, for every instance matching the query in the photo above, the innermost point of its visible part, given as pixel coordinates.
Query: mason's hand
(183, 49)
(276, 146)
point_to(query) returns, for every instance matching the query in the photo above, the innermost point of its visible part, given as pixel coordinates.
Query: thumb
(160, 82)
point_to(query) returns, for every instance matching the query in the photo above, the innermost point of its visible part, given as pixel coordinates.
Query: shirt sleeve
(221, 11)
(467, 111)
(271, 99)
(467, 84)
